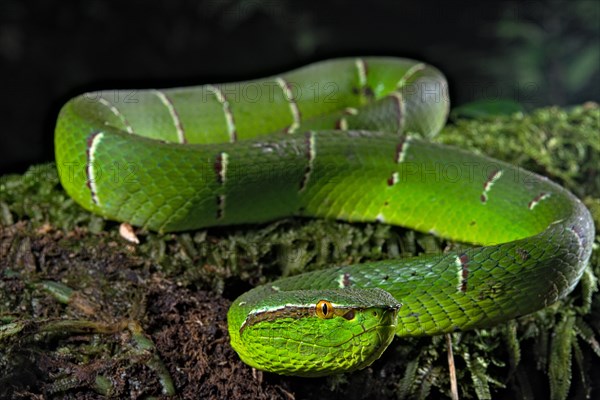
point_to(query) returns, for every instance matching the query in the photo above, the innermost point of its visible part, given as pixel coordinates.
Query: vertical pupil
(324, 308)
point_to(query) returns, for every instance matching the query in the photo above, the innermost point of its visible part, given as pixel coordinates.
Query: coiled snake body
(331, 140)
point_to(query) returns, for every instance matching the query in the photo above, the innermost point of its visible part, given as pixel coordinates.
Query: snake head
(313, 332)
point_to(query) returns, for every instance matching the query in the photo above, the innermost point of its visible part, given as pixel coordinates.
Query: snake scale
(336, 139)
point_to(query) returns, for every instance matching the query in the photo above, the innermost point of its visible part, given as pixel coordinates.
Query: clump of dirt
(115, 287)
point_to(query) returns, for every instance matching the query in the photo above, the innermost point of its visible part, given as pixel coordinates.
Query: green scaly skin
(251, 152)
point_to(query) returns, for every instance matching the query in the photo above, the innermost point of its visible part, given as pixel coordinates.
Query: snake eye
(324, 309)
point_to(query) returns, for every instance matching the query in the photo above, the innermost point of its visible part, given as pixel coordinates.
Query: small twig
(452, 368)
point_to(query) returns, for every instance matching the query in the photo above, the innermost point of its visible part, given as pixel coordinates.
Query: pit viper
(341, 139)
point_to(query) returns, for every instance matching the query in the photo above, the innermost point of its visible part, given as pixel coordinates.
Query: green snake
(336, 139)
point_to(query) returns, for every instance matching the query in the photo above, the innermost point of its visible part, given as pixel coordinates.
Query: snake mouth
(385, 335)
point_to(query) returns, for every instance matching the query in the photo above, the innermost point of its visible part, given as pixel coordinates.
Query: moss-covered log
(84, 314)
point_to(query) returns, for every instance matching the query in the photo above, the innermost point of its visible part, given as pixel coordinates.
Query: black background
(52, 50)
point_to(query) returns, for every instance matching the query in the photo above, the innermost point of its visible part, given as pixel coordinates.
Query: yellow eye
(324, 309)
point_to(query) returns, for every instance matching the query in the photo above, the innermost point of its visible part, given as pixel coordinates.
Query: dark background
(534, 52)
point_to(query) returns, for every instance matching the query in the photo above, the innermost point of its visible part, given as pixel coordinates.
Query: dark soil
(117, 286)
